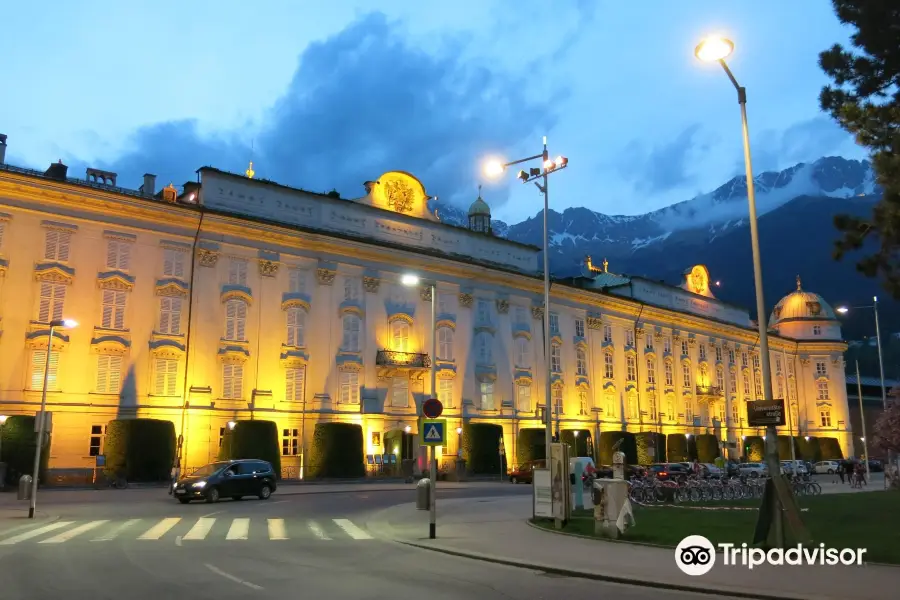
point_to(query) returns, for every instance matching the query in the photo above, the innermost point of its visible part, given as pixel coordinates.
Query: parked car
(711, 470)
(732, 468)
(524, 473)
(669, 471)
(826, 466)
(232, 478)
(753, 469)
(876, 466)
(794, 467)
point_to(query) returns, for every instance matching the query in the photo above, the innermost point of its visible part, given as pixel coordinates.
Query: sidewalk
(14, 518)
(496, 529)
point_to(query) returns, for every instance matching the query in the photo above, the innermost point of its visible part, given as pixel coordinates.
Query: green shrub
(481, 448)
(650, 447)
(579, 445)
(530, 445)
(809, 449)
(707, 446)
(608, 440)
(830, 448)
(755, 448)
(140, 449)
(337, 451)
(677, 448)
(784, 447)
(253, 439)
(18, 444)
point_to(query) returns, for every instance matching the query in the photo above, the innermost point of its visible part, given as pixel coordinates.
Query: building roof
(479, 207)
(801, 305)
(873, 381)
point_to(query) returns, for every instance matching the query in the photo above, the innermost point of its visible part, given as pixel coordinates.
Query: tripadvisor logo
(696, 555)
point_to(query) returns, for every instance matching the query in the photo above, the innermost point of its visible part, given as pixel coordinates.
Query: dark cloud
(801, 142)
(363, 102)
(662, 167)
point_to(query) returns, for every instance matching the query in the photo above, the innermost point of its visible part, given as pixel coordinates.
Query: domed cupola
(805, 315)
(480, 215)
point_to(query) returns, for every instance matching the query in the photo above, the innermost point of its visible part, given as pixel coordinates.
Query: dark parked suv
(232, 478)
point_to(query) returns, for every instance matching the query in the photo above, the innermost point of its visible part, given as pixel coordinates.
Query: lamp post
(3, 419)
(548, 166)
(67, 323)
(717, 49)
(862, 418)
(413, 280)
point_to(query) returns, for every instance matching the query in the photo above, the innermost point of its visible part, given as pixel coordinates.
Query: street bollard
(423, 494)
(24, 487)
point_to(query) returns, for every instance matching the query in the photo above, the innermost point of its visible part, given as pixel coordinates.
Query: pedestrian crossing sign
(435, 432)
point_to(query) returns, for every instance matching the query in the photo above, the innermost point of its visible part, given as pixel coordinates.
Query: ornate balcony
(391, 362)
(709, 392)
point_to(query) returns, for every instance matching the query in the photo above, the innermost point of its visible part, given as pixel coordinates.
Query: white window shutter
(241, 320)
(51, 242)
(106, 319)
(112, 254)
(172, 376)
(238, 386)
(160, 370)
(168, 262)
(63, 245)
(119, 322)
(165, 308)
(59, 298)
(175, 319)
(102, 373)
(44, 308)
(124, 255)
(115, 374)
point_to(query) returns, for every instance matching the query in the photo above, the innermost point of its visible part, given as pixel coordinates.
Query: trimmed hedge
(140, 449)
(481, 448)
(831, 449)
(19, 440)
(809, 449)
(677, 448)
(253, 439)
(707, 446)
(530, 445)
(755, 448)
(337, 451)
(784, 448)
(609, 438)
(580, 445)
(650, 447)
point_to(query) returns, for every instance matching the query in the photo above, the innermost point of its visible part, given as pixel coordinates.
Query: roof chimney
(2, 148)
(100, 176)
(191, 192)
(149, 187)
(57, 171)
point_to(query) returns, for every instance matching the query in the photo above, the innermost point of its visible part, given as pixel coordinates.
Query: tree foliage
(865, 99)
(887, 428)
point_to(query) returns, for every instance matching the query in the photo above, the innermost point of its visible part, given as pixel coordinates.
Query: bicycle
(118, 481)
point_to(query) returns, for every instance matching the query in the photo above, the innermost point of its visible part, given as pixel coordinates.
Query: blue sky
(327, 95)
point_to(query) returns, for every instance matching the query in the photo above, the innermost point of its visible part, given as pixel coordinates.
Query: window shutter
(124, 255)
(172, 376)
(175, 319)
(51, 240)
(115, 374)
(119, 322)
(241, 319)
(102, 373)
(292, 327)
(238, 383)
(63, 245)
(112, 254)
(38, 360)
(54, 368)
(230, 318)
(59, 298)
(46, 300)
(168, 262)
(160, 370)
(165, 307)
(109, 299)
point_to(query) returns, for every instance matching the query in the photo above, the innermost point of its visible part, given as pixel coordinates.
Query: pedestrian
(840, 470)
(849, 471)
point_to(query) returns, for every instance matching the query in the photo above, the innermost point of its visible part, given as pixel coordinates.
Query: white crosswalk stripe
(194, 530)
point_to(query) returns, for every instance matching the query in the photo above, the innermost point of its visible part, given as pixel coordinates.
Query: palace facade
(237, 298)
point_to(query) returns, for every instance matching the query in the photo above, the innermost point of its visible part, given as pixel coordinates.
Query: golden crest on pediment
(399, 195)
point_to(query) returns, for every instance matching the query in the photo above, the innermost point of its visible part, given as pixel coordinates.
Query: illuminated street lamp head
(459, 430)
(843, 310)
(3, 419)
(231, 425)
(407, 429)
(714, 48)
(494, 168)
(68, 323)
(409, 279)
(548, 164)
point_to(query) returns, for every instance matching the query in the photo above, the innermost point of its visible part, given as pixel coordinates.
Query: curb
(596, 539)
(707, 590)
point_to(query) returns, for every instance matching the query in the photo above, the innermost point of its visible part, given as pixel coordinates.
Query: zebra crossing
(187, 531)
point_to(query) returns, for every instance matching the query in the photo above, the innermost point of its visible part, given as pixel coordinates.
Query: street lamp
(231, 425)
(410, 279)
(717, 49)
(3, 419)
(64, 323)
(874, 306)
(494, 168)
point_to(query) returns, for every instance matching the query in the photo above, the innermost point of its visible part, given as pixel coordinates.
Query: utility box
(25, 487)
(423, 494)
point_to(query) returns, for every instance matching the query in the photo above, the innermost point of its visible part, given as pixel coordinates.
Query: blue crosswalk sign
(435, 431)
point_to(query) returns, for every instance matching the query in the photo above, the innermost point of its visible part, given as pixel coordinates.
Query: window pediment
(293, 357)
(400, 316)
(110, 341)
(171, 286)
(54, 272)
(115, 280)
(231, 352)
(295, 300)
(236, 292)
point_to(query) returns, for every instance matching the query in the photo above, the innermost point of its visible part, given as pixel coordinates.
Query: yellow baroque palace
(238, 298)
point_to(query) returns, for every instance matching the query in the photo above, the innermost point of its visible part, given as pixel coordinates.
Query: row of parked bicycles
(647, 490)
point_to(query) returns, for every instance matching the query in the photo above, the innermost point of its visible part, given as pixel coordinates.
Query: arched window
(632, 407)
(350, 341)
(735, 413)
(296, 322)
(523, 353)
(630, 368)
(670, 376)
(608, 371)
(610, 401)
(400, 335)
(235, 320)
(445, 343)
(651, 372)
(483, 348)
(555, 358)
(580, 363)
(686, 374)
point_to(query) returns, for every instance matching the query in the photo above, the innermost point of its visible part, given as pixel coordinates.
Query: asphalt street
(141, 544)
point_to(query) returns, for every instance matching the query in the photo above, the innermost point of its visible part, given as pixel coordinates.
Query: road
(142, 545)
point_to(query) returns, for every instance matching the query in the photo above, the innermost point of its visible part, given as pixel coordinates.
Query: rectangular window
(290, 442)
(445, 343)
(732, 380)
(607, 333)
(173, 262)
(667, 345)
(232, 381)
(778, 365)
(821, 369)
(352, 289)
(296, 323)
(670, 375)
(608, 371)
(555, 358)
(630, 368)
(629, 337)
(521, 315)
(554, 323)
(817, 330)
(349, 387)
(670, 408)
(746, 385)
(648, 340)
(38, 364)
(484, 348)
(702, 352)
(744, 362)
(96, 442)
(351, 325)
(235, 320)
(400, 392)
(735, 413)
(718, 353)
(582, 402)
(580, 363)
(523, 353)
(53, 297)
(165, 376)
(720, 379)
(484, 312)
(113, 309)
(825, 417)
(651, 372)
(790, 368)
(757, 382)
(610, 410)
(109, 374)
(557, 401)
(445, 392)
(118, 255)
(487, 396)
(684, 348)
(297, 281)
(579, 327)
(780, 394)
(294, 384)
(730, 356)
(237, 271)
(170, 315)
(523, 397)
(686, 374)
(400, 335)
(688, 411)
(221, 436)
(755, 361)
(822, 389)
(56, 245)
(652, 406)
